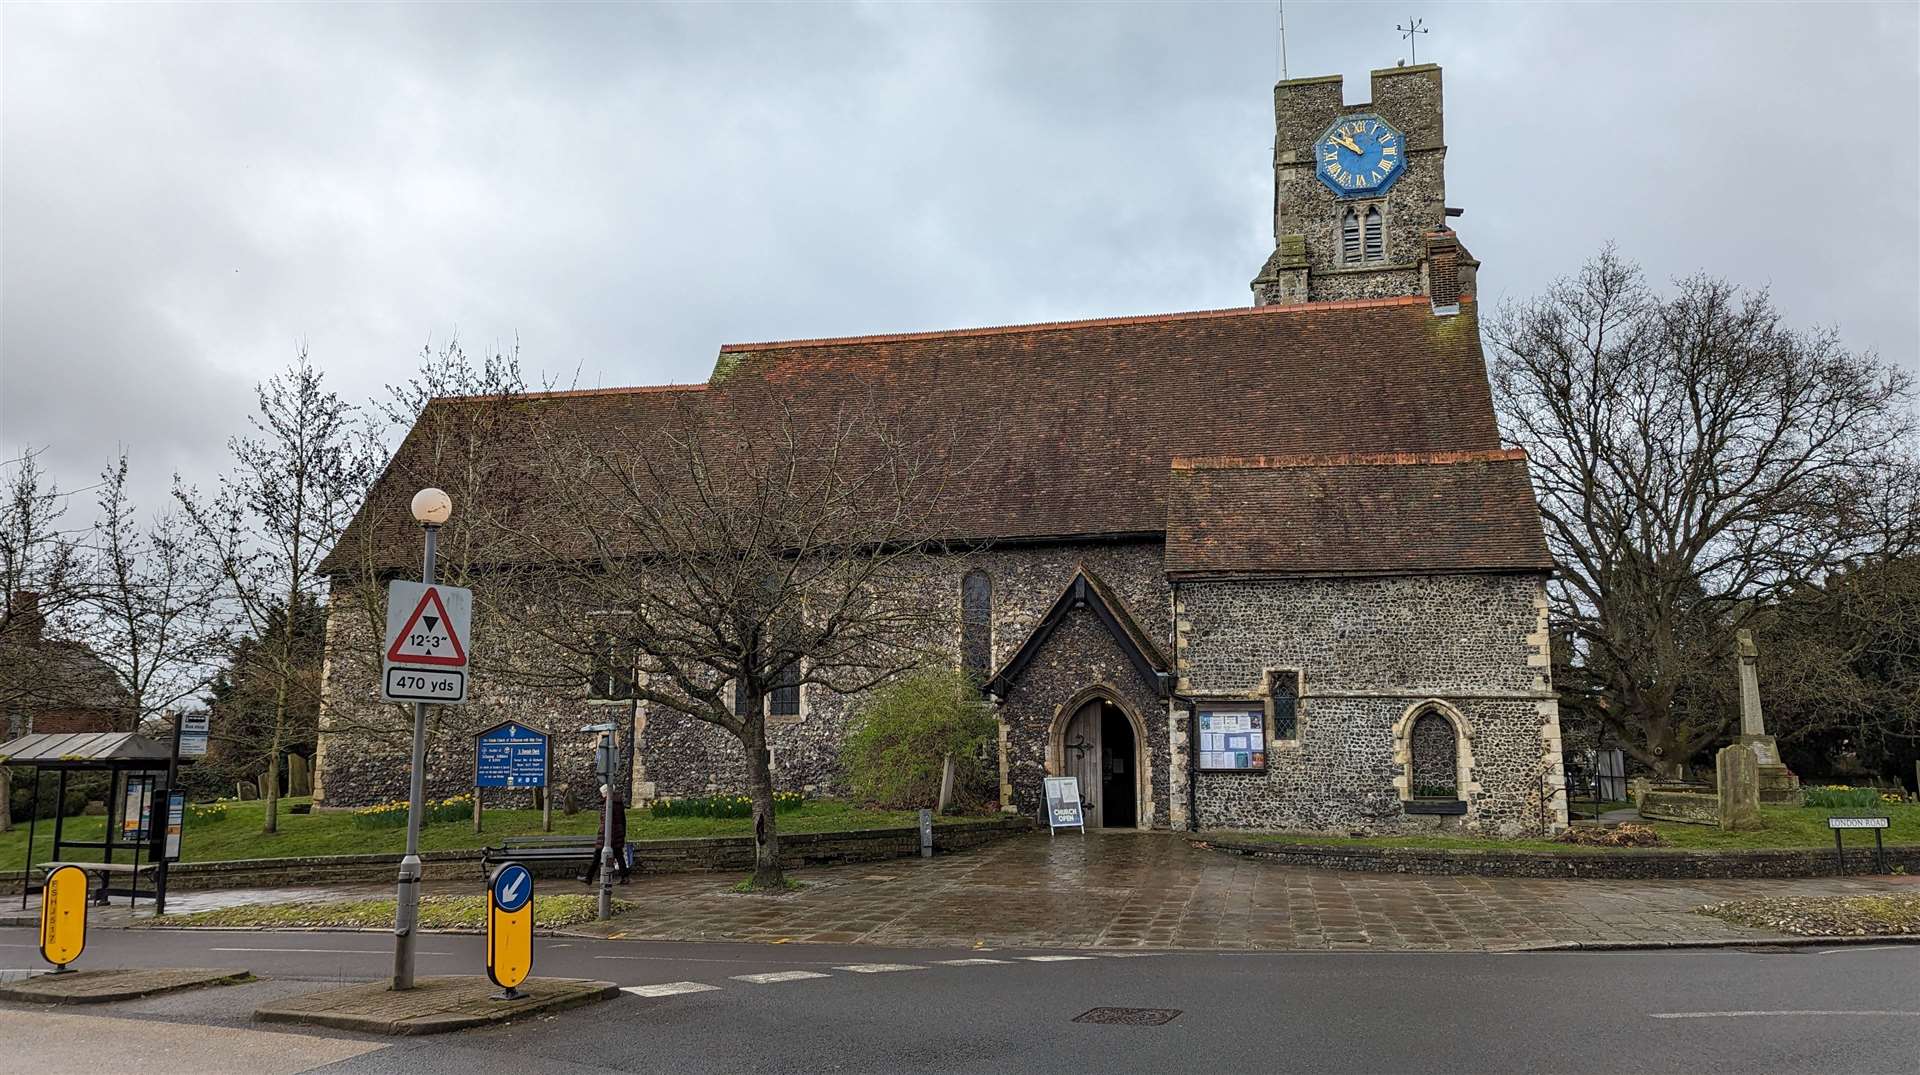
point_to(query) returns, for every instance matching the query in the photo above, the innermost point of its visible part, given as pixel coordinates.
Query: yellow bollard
(63, 916)
(509, 928)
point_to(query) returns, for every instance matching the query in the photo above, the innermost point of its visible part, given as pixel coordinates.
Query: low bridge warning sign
(425, 659)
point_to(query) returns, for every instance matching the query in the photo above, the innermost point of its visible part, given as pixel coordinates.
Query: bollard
(926, 834)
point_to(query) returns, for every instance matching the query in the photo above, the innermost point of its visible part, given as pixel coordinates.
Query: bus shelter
(141, 812)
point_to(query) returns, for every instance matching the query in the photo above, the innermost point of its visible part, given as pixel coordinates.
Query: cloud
(188, 194)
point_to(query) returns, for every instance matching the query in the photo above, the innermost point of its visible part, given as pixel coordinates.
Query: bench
(106, 871)
(530, 851)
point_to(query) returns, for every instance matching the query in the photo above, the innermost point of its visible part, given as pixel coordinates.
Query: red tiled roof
(1067, 429)
(1393, 513)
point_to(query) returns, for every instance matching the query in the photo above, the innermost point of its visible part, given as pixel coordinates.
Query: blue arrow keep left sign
(512, 887)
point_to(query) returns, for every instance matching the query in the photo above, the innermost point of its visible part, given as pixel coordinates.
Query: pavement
(736, 1007)
(1156, 891)
(1141, 890)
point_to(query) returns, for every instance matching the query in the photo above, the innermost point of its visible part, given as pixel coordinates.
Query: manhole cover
(1128, 1016)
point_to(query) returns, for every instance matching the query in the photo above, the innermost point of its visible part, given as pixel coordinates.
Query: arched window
(1350, 237)
(1376, 238)
(976, 625)
(1436, 752)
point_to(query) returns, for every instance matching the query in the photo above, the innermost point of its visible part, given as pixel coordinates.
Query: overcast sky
(188, 194)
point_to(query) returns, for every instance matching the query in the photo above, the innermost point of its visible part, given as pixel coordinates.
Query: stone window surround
(1299, 706)
(1465, 786)
(766, 704)
(1142, 760)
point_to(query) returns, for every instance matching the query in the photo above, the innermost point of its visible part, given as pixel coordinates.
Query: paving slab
(103, 986)
(434, 1006)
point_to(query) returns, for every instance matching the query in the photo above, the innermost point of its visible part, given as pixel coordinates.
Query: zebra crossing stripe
(1052, 959)
(667, 989)
(971, 962)
(878, 968)
(778, 976)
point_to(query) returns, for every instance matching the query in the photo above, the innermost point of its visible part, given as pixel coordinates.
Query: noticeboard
(1232, 738)
(510, 755)
(1063, 804)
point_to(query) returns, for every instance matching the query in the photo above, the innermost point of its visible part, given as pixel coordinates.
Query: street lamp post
(431, 508)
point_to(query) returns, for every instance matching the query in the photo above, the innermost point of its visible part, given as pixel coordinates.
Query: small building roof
(1406, 513)
(87, 750)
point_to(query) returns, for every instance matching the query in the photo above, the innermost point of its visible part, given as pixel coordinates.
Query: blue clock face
(1360, 156)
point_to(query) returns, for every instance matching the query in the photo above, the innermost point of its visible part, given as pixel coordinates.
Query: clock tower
(1360, 195)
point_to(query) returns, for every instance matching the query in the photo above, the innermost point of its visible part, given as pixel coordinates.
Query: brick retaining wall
(1623, 864)
(651, 856)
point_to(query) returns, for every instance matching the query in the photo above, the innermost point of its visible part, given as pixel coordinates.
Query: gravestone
(1777, 782)
(299, 778)
(1737, 774)
(246, 790)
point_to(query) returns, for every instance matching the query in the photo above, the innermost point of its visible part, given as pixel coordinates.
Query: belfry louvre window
(1376, 239)
(1350, 245)
(976, 625)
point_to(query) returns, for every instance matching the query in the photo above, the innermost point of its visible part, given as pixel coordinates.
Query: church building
(1265, 567)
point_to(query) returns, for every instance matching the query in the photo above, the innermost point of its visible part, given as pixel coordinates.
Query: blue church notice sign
(510, 755)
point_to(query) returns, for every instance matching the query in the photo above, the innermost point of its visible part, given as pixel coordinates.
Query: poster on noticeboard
(1232, 739)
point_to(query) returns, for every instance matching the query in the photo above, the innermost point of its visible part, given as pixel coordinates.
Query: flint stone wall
(681, 756)
(1368, 651)
(364, 743)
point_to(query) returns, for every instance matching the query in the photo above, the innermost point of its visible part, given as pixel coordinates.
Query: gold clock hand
(1347, 140)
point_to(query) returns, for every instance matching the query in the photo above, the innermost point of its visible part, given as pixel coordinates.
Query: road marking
(1864, 948)
(971, 962)
(778, 976)
(667, 989)
(1743, 1015)
(1131, 955)
(1052, 959)
(328, 951)
(878, 968)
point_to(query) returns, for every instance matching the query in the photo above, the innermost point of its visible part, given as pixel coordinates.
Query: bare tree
(458, 415)
(1694, 460)
(735, 555)
(154, 616)
(294, 486)
(44, 579)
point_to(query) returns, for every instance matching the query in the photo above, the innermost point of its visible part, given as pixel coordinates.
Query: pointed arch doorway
(1100, 743)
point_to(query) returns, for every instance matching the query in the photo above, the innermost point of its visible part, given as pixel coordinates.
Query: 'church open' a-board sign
(1063, 804)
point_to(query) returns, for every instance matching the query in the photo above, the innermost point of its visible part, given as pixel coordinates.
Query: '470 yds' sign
(425, 657)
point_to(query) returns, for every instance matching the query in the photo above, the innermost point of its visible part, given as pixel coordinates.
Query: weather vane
(1413, 46)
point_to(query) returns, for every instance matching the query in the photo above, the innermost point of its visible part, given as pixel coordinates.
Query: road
(858, 1008)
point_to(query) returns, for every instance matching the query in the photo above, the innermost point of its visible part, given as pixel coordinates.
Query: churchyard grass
(436, 912)
(235, 834)
(1786, 827)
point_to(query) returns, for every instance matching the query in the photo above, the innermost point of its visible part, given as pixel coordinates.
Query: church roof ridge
(575, 393)
(1346, 459)
(1276, 309)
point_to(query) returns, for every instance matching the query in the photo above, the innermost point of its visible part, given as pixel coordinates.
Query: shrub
(721, 805)
(900, 736)
(1840, 796)
(1623, 835)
